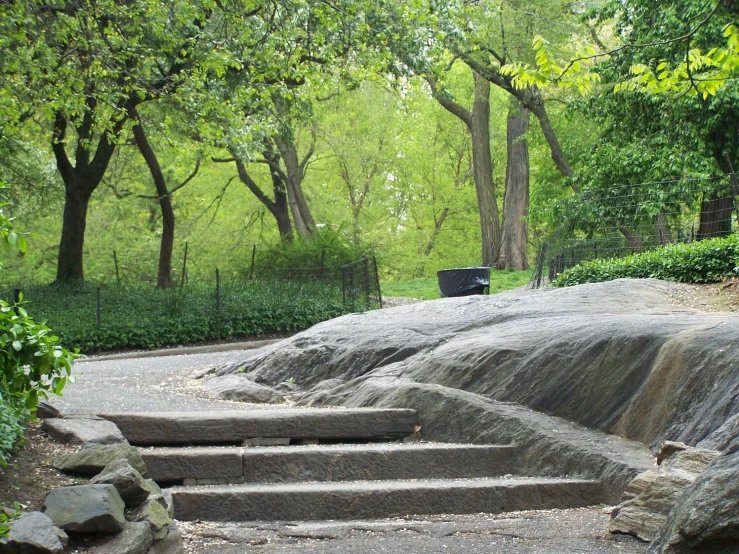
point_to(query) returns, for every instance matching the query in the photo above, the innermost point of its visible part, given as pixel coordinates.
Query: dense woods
(435, 134)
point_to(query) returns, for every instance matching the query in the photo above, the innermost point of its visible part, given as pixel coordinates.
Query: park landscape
(220, 323)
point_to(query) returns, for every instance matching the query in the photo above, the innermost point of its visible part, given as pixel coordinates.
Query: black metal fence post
(253, 256)
(218, 303)
(115, 261)
(343, 284)
(16, 300)
(366, 283)
(377, 282)
(184, 267)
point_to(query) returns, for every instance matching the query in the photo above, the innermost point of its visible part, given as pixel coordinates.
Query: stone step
(235, 426)
(283, 464)
(379, 499)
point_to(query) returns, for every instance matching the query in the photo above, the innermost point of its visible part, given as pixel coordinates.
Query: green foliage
(6, 517)
(428, 288)
(327, 247)
(698, 262)
(11, 431)
(145, 317)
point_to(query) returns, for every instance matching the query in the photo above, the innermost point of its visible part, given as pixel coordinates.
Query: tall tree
(515, 228)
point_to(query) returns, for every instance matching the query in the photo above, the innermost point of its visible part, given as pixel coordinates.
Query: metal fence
(272, 300)
(618, 220)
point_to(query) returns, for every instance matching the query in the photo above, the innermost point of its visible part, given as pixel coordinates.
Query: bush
(142, 317)
(326, 248)
(707, 261)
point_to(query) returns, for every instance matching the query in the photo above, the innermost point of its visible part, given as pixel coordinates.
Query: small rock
(170, 544)
(136, 538)
(131, 486)
(239, 388)
(34, 533)
(156, 515)
(91, 460)
(47, 411)
(83, 431)
(651, 495)
(86, 509)
(668, 448)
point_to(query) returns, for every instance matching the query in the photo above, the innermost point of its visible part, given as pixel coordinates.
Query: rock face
(34, 533)
(615, 356)
(86, 509)
(83, 430)
(129, 482)
(706, 518)
(650, 497)
(91, 460)
(239, 388)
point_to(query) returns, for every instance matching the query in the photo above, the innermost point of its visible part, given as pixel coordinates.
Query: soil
(29, 475)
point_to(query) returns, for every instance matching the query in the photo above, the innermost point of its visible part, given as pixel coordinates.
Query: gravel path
(146, 385)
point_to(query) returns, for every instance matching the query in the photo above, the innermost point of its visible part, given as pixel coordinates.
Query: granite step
(282, 464)
(380, 499)
(235, 426)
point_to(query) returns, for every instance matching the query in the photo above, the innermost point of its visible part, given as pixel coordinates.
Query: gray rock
(86, 509)
(91, 460)
(706, 518)
(45, 410)
(33, 533)
(136, 538)
(155, 514)
(725, 438)
(83, 430)
(616, 356)
(651, 496)
(170, 544)
(129, 482)
(239, 388)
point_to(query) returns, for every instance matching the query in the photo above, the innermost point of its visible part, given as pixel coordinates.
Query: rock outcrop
(648, 499)
(237, 387)
(616, 356)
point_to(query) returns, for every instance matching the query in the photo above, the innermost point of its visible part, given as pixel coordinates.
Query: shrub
(327, 248)
(705, 261)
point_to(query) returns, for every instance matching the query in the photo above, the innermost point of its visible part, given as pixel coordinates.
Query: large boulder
(241, 389)
(91, 460)
(83, 430)
(706, 517)
(130, 484)
(650, 497)
(86, 509)
(33, 533)
(617, 356)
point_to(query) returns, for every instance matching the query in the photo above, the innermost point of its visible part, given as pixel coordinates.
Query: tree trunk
(514, 243)
(635, 242)
(662, 227)
(166, 245)
(715, 218)
(304, 222)
(71, 247)
(80, 181)
(483, 172)
(421, 269)
(280, 208)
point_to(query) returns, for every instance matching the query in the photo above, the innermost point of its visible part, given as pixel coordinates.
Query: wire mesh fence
(114, 316)
(619, 220)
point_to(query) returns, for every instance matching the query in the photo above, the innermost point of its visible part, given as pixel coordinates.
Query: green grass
(428, 288)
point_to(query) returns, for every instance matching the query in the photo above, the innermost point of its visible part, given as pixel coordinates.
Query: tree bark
(635, 241)
(478, 123)
(304, 222)
(483, 172)
(438, 223)
(715, 218)
(514, 243)
(80, 181)
(166, 245)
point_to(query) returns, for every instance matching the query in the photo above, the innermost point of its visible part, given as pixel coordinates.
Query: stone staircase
(316, 464)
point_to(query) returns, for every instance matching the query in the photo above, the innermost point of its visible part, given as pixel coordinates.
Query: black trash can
(464, 281)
